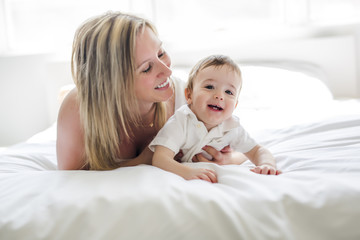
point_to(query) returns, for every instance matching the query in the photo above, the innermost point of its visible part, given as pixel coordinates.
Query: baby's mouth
(215, 107)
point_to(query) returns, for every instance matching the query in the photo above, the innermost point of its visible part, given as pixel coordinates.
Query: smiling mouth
(162, 84)
(215, 107)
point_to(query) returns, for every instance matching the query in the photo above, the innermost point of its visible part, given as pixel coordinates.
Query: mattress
(316, 146)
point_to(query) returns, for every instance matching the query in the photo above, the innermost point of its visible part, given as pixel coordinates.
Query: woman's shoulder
(70, 101)
(69, 108)
(179, 88)
(70, 143)
(178, 82)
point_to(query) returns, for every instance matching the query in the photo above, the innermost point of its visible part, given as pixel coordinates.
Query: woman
(123, 96)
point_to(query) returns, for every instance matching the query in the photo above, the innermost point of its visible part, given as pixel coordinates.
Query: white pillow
(275, 97)
(267, 87)
(271, 87)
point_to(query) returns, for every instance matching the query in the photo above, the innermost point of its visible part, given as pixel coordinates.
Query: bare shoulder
(70, 142)
(69, 115)
(69, 104)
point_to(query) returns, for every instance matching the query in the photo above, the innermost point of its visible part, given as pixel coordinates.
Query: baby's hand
(266, 170)
(201, 173)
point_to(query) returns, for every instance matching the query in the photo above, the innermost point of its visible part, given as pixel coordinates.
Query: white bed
(314, 138)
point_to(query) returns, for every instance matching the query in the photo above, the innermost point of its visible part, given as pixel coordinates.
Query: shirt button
(198, 125)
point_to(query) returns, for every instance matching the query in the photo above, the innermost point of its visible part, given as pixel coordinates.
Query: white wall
(28, 95)
(30, 84)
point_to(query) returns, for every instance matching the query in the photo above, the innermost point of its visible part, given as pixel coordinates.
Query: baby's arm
(164, 158)
(263, 160)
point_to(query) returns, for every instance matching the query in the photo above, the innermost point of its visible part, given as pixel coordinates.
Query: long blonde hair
(103, 69)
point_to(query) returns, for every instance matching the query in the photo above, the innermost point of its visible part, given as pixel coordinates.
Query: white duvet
(316, 197)
(315, 140)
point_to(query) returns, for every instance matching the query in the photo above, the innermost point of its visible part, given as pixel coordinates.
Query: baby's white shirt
(183, 131)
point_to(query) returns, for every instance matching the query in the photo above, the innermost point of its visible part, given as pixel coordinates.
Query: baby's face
(214, 96)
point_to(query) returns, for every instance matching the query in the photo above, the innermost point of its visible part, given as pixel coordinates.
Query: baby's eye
(209, 87)
(229, 92)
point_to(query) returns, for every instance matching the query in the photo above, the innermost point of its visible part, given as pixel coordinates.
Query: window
(334, 11)
(187, 19)
(43, 25)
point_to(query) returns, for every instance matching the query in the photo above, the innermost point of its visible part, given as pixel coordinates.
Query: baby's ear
(188, 96)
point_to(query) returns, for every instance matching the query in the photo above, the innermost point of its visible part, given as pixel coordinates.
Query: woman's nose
(165, 70)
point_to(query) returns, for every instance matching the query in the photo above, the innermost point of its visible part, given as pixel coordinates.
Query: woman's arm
(144, 158)
(70, 146)
(260, 156)
(164, 158)
(70, 149)
(224, 157)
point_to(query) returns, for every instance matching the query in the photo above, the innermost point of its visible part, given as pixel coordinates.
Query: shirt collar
(228, 124)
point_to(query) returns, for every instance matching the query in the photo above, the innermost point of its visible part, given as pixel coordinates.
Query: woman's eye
(229, 92)
(209, 87)
(147, 69)
(162, 54)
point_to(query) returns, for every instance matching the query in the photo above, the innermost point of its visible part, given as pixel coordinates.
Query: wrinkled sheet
(316, 197)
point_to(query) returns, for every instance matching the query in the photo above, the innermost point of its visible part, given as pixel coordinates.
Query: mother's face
(152, 69)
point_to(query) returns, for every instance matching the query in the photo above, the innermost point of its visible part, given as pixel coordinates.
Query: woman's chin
(165, 95)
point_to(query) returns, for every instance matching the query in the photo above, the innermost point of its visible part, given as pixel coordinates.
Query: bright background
(36, 38)
(32, 26)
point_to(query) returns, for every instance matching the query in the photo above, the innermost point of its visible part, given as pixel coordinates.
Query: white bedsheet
(316, 197)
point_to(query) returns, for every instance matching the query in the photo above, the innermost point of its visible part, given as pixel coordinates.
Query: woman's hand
(178, 156)
(223, 157)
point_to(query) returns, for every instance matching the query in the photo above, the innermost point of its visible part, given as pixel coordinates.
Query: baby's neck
(209, 127)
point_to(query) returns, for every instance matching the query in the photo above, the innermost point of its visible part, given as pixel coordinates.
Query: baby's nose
(218, 96)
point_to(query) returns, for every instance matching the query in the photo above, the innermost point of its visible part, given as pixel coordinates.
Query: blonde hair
(213, 60)
(103, 69)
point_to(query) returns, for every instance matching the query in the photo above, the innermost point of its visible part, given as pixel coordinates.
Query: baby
(212, 94)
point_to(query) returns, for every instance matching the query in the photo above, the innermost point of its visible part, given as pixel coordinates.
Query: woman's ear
(188, 96)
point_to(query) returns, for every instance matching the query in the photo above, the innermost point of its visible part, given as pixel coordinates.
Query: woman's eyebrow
(148, 59)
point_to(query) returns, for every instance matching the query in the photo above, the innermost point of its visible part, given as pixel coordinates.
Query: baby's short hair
(212, 60)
